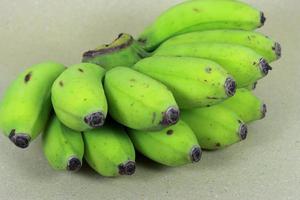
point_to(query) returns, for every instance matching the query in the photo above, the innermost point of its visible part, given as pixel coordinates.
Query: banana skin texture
(196, 15)
(63, 147)
(194, 82)
(109, 151)
(138, 101)
(262, 44)
(246, 105)
(243, 63)
(124, 51)
(78, 97)
(215, 127)
(26, 104)
(173, 146)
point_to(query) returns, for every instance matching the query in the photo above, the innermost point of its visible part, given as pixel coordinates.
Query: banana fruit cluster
(185, 85)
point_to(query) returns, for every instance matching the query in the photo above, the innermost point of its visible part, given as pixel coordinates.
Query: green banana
(194, 82)
(262, 44)
(198, 15)
(109, 151)
(62, 146)
(138, 101)
(173, 146)
(246, 105)
(243, 63)
(215, 127)
(124, 51)
(78, 97)
(26, 104)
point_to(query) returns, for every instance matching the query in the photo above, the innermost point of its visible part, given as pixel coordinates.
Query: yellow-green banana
(109, 151)
(215, 127)
(172, 146)
(78, 97)
(198, 15)
(62, 146)
(194, 82)
(246, 105)
(26, 104)
(124, 51)
(244, 64)
(138, 101)
(262, 44)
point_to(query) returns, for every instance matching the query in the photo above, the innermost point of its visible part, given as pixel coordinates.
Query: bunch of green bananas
(185, 84)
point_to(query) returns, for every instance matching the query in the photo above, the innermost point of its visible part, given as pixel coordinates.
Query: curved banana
(124, 51)
(62, 146)
(215, 127)
(109, 151)
(138, 101)
(246, 105)
(262, 44)
(78, 97)
(194, 82)
(243, 63)
(26, 104)
(172, 146)
(198, 15)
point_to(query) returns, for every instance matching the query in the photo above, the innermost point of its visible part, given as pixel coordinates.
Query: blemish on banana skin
(170, 132)
(27, 77)
(61, 83)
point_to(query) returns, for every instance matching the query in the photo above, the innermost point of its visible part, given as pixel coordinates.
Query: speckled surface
(265, 166)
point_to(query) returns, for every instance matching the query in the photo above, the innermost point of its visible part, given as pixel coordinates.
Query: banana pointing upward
(62, 146)
(78, 97)
(198, 15)
(243, 63)
(26, 105)
(194, 82)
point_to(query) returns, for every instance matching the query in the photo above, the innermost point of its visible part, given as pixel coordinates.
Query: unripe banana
(262, 44)
(246, 105)
(194, 82)
(109, 151)
(243, 63)
(78, 97)
(198, 15)
(172, 146)
(26, 104)
(215, 127)
(62, 146)
(124, 51)
(138, 101)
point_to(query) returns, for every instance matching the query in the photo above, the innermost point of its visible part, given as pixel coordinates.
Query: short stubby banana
(78, 97)
(26, 104)
(215, 127)
(246, 105)
(124, 51)
(194, 82)
(173, 146)
(109, 150)
(196, 15)
(63, 147)
(262, 44)
(138, 101)
(244, 64)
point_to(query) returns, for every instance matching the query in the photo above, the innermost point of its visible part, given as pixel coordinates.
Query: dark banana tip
(95, 120)
(243, 131)
(277, 49)
(196, 154)
(74, 164)
(262, 19)
(264, 66)
(171, 116)
(230, 87)
(127, 168)
(20, 140)
(263, 111)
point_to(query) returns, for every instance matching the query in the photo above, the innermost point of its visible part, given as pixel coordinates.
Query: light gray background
(265, 166)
